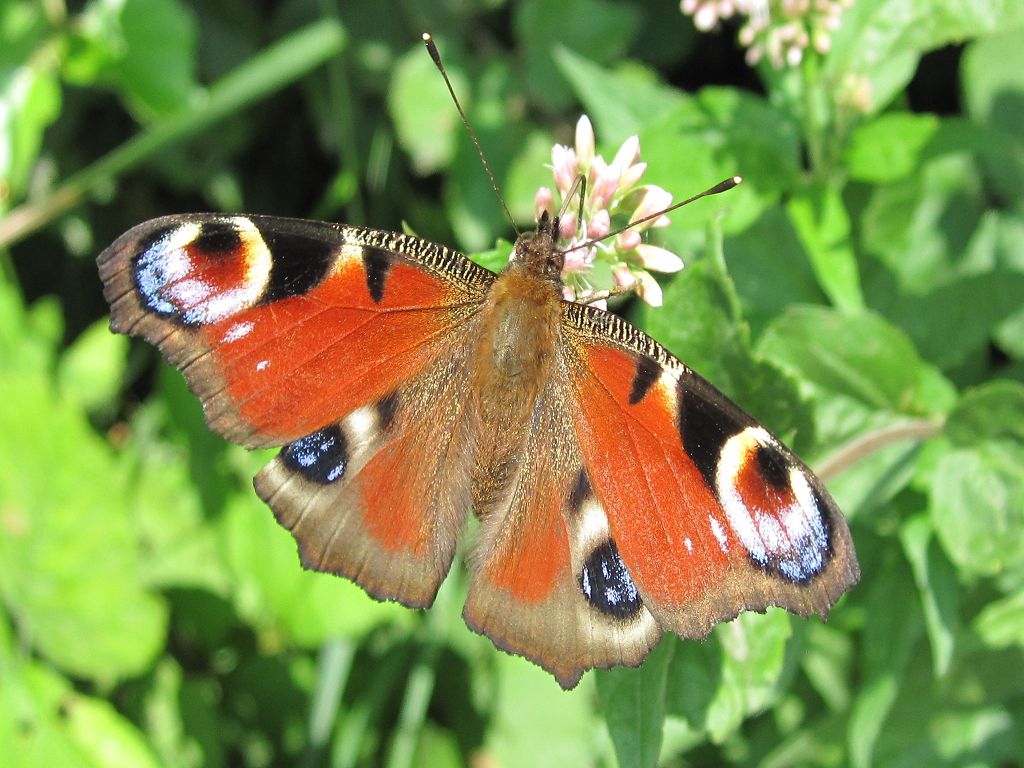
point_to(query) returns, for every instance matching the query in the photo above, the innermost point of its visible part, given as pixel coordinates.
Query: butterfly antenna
(722, 186)
(432, 50)
(579, 185)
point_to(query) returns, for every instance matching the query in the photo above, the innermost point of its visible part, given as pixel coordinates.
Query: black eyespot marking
(581, 491)
(377, 263)
(320, 457)
(704, 429)
(607, 585)
(647, 372)
(772, 466)
(217, 238)
(386, 410)
(299, 261)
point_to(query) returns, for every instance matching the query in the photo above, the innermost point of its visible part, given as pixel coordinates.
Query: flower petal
(628, 240)
(600, 224)
(543, 201)
(655, 200)
(628, 154)
(623, 275)
(563, 166)
(648, 289)
(584, 141)
(658, 259)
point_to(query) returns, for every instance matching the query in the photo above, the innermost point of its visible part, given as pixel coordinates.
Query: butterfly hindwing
(546, 582)
(283, 326)
(381, 496)
(710, 513)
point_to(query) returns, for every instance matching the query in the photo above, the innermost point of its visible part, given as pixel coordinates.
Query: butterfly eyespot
(320, 457)
(607, 585)
(772, 508)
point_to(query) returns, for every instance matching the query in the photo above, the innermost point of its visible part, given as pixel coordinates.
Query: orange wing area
(710, 513)
(304, 361)
(283, 326)
(658, 504)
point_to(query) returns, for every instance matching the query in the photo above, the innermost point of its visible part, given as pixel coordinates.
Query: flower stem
(872, 442)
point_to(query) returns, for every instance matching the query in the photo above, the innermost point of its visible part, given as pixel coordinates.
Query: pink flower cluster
(780, 30)
(613, 199)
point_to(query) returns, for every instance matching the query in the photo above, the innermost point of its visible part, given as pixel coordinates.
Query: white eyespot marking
(174, 280)
(719, 531)
(262, 365)
(591, 525)
(164, 262)
(689, 545)
(361, 425)
(790, 539)
(237, 331)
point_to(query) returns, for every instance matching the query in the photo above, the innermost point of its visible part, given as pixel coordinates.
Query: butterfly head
(537, 252)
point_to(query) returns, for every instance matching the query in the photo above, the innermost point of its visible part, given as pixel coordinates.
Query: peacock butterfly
(619, 494)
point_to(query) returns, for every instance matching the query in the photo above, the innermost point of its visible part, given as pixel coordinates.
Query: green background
(862, 293)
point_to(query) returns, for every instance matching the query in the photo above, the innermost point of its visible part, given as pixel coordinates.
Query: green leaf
(167, 504)
(993, 411)
(180, 716)
(619, 102)
(767, 248)
(920, 226)
(155, 73)
(270, 70)
(899, 30)
(861, 356)
(977, 507)
(954, 322)
(719, 133)
(823, 226)
(542, 25)
(633, 703)
(426, 122)
(753, 661)
(30, 100)
(694, 677)
(889, 638)
(890, 146)
(1000, 624)
(936, 581)
(528, 701)
(69, 562)
(103, 737)
(273, 592)
(91, 371)
(827, 660)
(993, 89)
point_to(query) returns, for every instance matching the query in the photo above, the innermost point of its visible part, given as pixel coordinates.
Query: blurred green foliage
(862, 293)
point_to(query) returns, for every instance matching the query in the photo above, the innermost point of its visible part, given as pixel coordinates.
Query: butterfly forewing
(282, 326)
